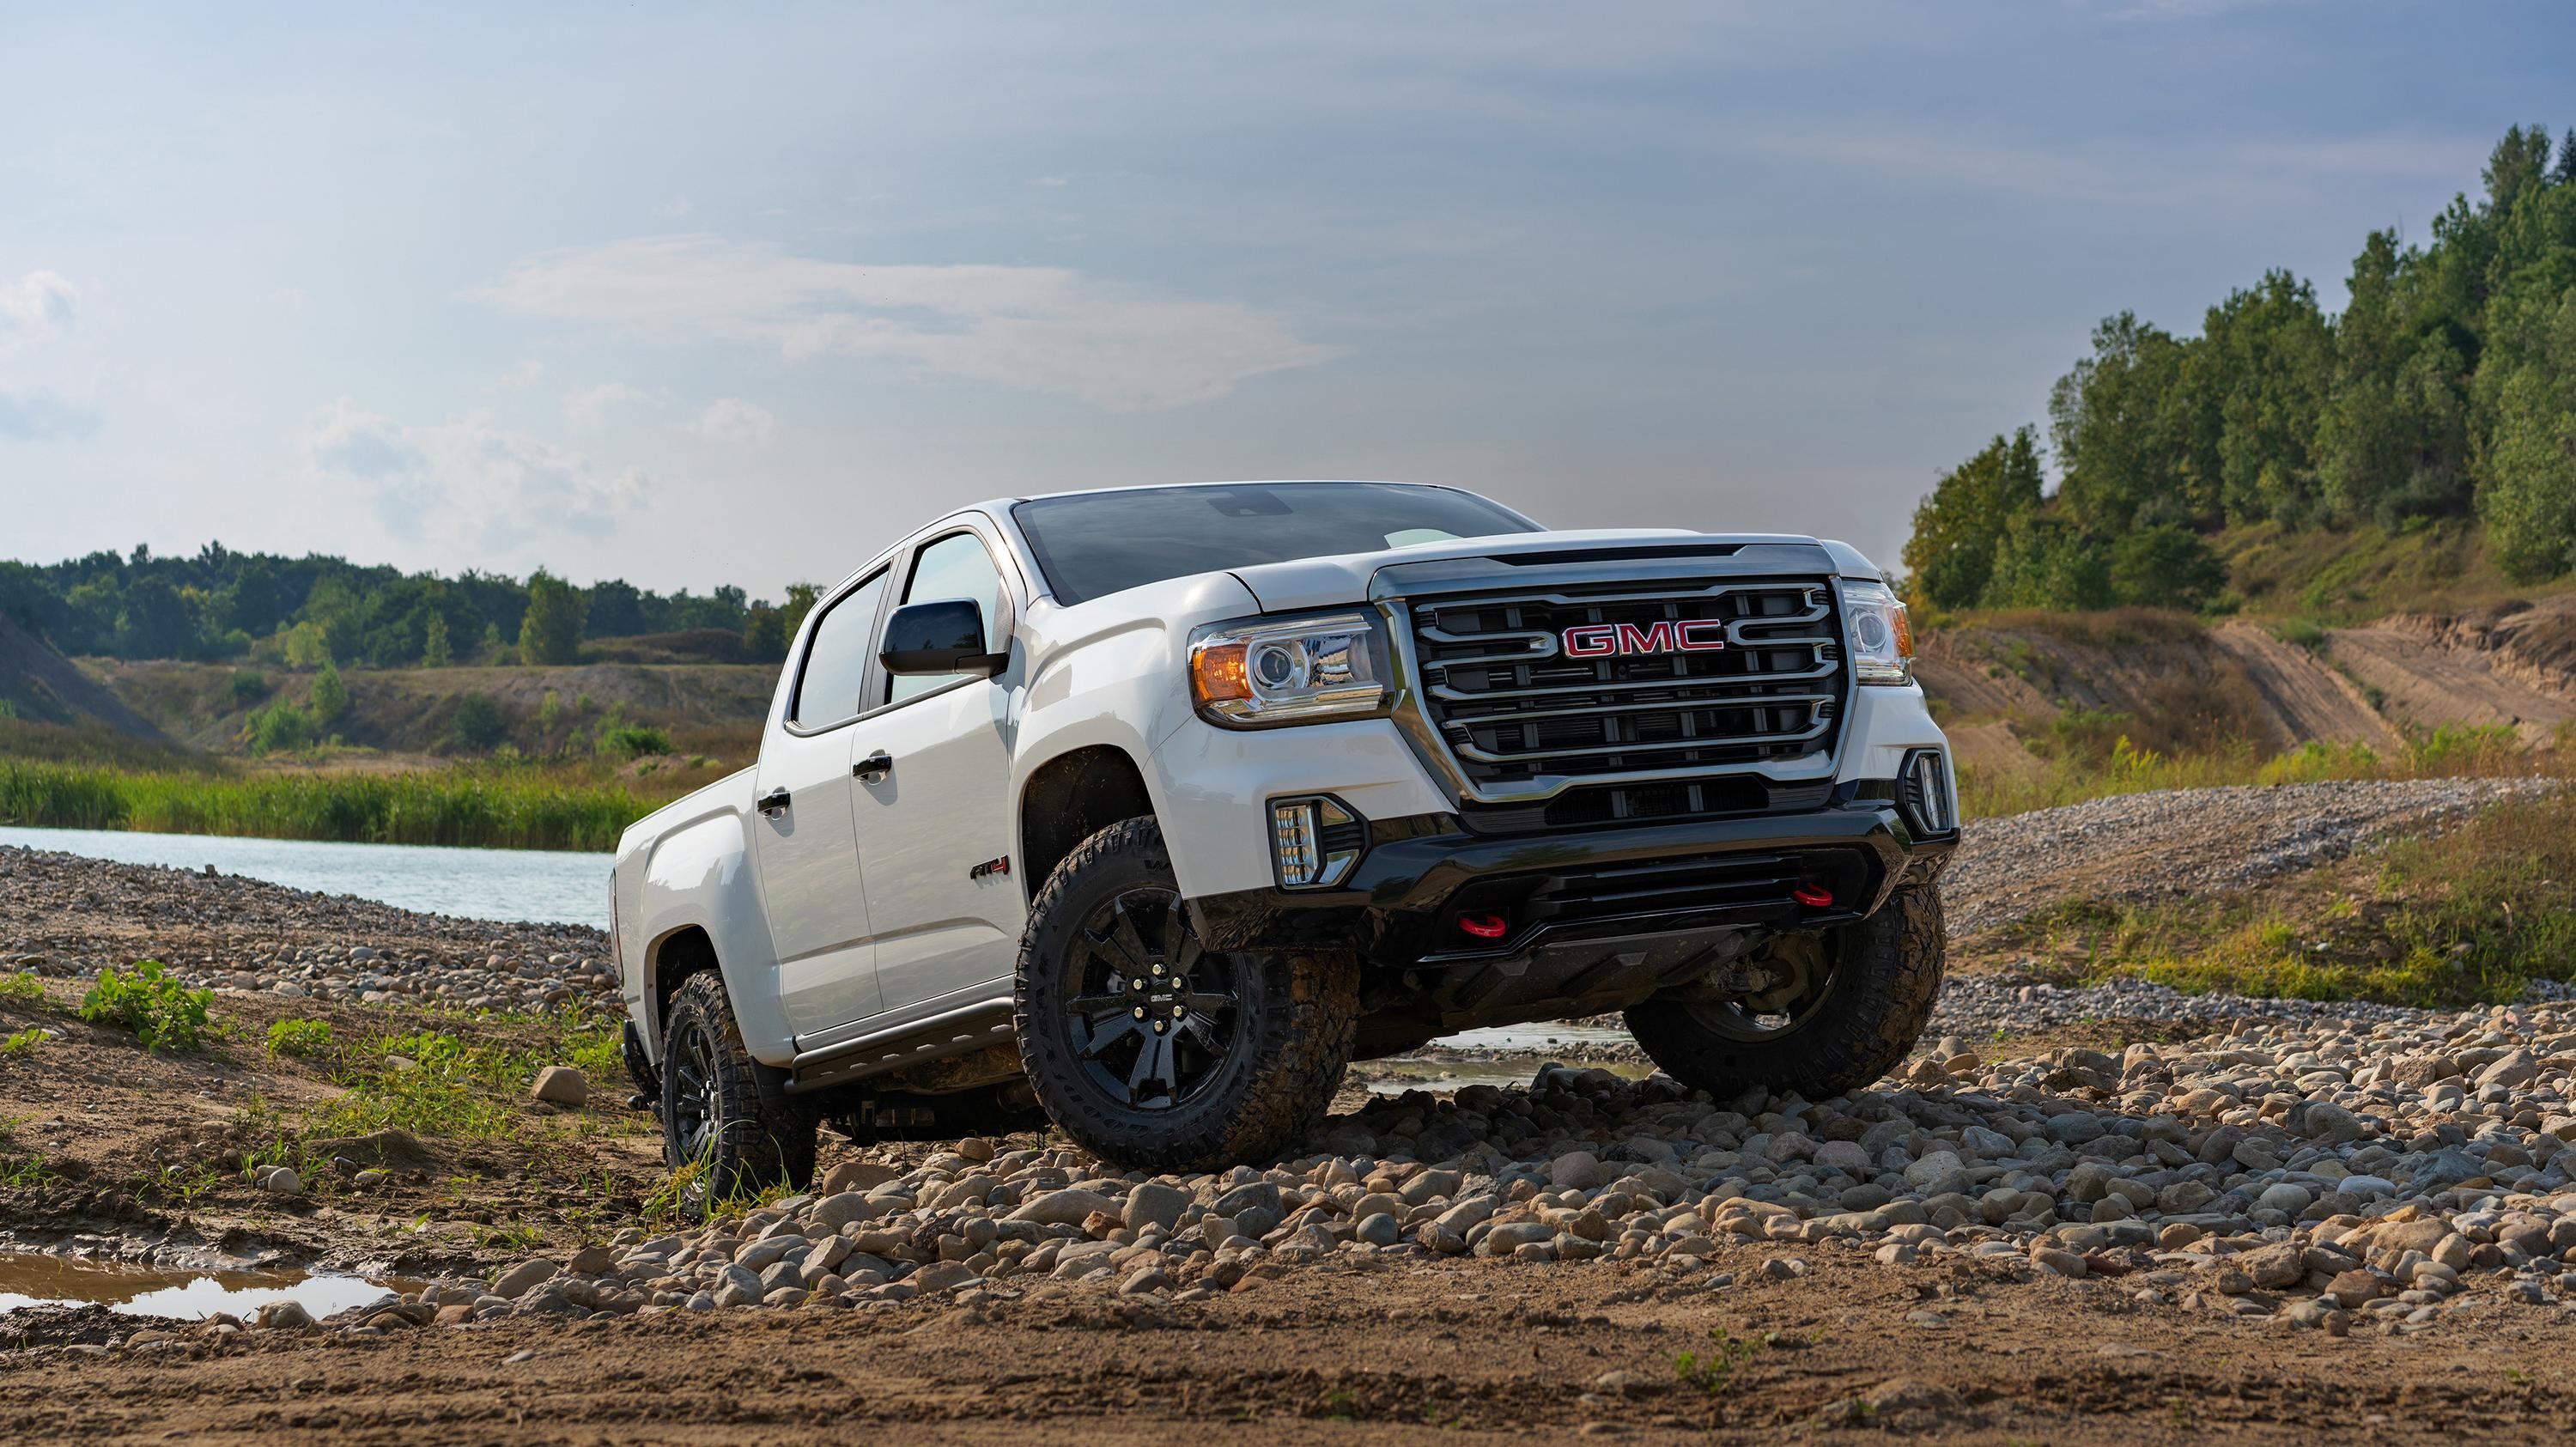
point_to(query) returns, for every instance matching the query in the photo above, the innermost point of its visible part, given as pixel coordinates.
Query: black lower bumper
(1512, 925)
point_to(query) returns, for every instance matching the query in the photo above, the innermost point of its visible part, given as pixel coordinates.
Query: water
(537, 885)
(1542, 1036)
(29, 1280)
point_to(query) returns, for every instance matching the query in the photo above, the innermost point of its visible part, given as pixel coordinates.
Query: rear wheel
(1154, 1051)
(1833, 1009)
(713, 1118)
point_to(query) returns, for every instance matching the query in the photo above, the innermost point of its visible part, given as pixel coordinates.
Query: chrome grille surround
(1490, 698)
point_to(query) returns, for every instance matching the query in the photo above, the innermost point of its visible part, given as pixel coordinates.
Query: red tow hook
(1813, 896)
(1484, 926)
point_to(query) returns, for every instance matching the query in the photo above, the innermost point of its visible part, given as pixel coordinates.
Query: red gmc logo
(1600, 640)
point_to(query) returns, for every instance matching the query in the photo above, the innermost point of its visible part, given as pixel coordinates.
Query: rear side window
(835, 671)
(956, 566)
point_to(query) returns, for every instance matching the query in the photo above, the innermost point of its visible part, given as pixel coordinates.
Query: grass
(1710, 1371)
(2467, 919)
(162, 1012)
(454, 1087)
(495, 808)
(2078, 765)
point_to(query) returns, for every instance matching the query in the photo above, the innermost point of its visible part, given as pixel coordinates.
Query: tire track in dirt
(2424, 683)
(2310, 699)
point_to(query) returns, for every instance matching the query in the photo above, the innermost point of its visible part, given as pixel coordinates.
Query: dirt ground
(1432, 1352)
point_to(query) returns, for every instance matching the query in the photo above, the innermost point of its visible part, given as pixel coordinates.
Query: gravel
(70, 916)
(2345, 1175)
(2178, 843)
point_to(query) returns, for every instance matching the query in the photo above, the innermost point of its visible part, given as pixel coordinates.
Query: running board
(961, 1031)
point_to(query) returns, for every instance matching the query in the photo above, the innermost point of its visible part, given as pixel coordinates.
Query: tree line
(318, 609)
(2446, 388)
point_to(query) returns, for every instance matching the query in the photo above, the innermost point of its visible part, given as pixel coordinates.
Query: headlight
(1882, 637)
(1255, 671)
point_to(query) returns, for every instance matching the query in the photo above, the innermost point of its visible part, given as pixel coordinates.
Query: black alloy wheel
(1158, 1014)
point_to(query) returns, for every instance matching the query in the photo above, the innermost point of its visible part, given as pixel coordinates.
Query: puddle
(33, 1280)
(1544, 1035)
(1395, 1077)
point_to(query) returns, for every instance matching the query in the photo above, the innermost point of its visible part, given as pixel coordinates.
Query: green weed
(1710, 1371)
(152, 1003)
(299, 1037)
(21, 989)
(22, 1043)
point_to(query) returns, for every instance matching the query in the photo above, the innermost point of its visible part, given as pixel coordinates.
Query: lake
(537, 885)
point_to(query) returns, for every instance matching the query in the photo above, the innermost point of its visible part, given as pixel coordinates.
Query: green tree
(550, 633)
(2126, 444)
(155, 621)
(1951, 554)
(2045, 561)
(2529, 497)
(434, 652)
(800, 601)
(2263, 363)
(477, 723)
(764, 633)
(330, 696)
(2164, 567)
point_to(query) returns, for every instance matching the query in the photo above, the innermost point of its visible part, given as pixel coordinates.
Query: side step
(961, 1031)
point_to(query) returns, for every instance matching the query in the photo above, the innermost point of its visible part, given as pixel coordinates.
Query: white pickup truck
(1153, 808)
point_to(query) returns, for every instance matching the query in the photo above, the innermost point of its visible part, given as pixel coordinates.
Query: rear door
(934, 825)
(810, 867)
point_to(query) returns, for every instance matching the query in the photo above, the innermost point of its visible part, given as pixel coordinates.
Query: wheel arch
(1071, 797)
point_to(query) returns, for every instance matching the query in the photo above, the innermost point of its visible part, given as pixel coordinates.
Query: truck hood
(1348, 578)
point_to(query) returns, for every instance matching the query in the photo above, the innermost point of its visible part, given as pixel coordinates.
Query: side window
(837, 661)
(956, 566)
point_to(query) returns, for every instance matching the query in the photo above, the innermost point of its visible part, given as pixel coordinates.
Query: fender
(692, 867)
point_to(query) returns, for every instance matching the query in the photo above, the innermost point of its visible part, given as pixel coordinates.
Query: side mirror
(942, 636)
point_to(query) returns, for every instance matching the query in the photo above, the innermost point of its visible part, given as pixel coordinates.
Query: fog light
(1314, 842)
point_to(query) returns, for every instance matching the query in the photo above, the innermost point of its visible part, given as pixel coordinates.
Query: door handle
(874, 767)
(774, 802)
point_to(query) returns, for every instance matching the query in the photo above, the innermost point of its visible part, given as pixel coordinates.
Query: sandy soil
(2427, 682)
(2310, 699)
(1404, 1354)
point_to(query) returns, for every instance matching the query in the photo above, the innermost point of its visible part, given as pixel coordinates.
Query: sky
(694, 295)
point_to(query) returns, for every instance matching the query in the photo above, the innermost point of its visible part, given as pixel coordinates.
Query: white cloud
(528, 373)
(35, 307)
(588, 408)
(1038, 328)
(731, 419)
(34, 417)
(674, 209)
(467, 481)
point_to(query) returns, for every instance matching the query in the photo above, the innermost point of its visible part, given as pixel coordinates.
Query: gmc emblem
(1599, 640)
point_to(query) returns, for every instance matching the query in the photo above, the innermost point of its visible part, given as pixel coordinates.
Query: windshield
(1096, 543)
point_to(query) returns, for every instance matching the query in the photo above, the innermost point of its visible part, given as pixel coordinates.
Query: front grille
(1719, 795)
(1512, 706)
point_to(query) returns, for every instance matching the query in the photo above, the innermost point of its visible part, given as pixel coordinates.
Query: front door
(934, 824)
(810, 868)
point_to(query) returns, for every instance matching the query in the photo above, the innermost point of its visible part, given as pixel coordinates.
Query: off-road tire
(753, 1145)
(1293, 1028)
(1887, 973)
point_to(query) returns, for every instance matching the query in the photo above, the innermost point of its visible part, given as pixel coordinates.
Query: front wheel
(1153, 1051)
(715, 1127)
(1834, 1009)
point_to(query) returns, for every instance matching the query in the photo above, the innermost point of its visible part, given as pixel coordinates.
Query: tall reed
(414, 808)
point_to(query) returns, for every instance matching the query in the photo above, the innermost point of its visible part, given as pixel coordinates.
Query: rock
(840, 1209)
(517, 1280)
(1844, 1156)
(592, 1261)
(560, 1085)
(855, 1176)
(1575, 1168)
(1154, 1204)
(2273, 1267)
(2513, 1072)
(941, 1276)
(1069, 1207)
(281, 1181)
(1378, 1229)
(282, 1316)
(2354, 1288)
(1145, 1282)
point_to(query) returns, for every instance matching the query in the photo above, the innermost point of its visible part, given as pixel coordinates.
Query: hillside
(705, 708)
(41, 686)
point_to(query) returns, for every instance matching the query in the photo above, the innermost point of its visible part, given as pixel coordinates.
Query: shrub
(299, 1037)
(246, 687)
(280, 727)
(330, 695)
(477, 722)
(152, 1003)
(630, 741)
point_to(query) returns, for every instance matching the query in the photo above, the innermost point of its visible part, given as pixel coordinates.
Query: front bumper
(1593, 917)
